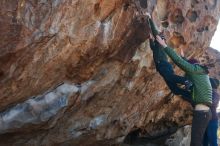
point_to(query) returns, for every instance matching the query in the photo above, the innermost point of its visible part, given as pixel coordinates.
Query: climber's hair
(195, 61)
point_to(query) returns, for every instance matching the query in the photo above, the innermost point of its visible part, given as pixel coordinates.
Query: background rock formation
(76, 72)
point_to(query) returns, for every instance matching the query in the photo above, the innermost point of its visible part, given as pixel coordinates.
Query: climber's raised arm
(179, 61)
(153, 26)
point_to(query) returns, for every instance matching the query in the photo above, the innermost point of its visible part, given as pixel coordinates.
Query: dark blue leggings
(200, 122)
(210, 136)
(166, 71)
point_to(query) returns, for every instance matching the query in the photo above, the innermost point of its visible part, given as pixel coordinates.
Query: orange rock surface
(80, 72)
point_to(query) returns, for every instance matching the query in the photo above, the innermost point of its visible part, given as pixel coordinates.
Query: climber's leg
(177, 79)
(210, 136)
(199, 125)
(186, 95)
(166, 71)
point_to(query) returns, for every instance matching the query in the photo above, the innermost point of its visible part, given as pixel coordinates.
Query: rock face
(180, 138)
(214, 61)
(76, 72)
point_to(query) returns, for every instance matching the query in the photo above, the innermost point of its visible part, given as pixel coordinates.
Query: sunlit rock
(80, 72)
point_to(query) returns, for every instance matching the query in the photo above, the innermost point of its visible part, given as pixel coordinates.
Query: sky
(215, 43)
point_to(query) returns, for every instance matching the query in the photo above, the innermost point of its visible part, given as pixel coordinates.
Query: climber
(165, 68)
(210, 136)
(201, 92)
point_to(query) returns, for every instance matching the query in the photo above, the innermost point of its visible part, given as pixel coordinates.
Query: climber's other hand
(147, 14)
(161, 41)
(182, 52)
(152, 37)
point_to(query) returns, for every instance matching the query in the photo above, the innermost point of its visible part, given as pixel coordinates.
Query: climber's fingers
(159, 39)
(181, 52)
(147, 14)
(152, 37)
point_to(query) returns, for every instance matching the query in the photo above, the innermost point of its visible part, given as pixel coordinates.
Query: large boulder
(80, 72)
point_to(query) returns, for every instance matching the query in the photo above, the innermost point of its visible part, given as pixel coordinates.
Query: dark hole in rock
(206, 28)
(126, 5)
(140, 137)
(165, 24)
(201, 29)
(143, 3)
(192, 15)
(132, 137)
(206, 7)
(195, 2)
(97, 9)
(211, 65)
(177, 16)
(207, 57)
(202, 60)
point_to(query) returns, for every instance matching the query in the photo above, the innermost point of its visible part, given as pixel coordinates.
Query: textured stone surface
(46, 42)
(90, 56)
(213, 61)
(180, 138)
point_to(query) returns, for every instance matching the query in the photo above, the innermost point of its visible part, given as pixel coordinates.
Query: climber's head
(197, 62)
(193, 61)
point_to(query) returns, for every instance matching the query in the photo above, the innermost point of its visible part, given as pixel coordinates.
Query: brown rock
(78, 72)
